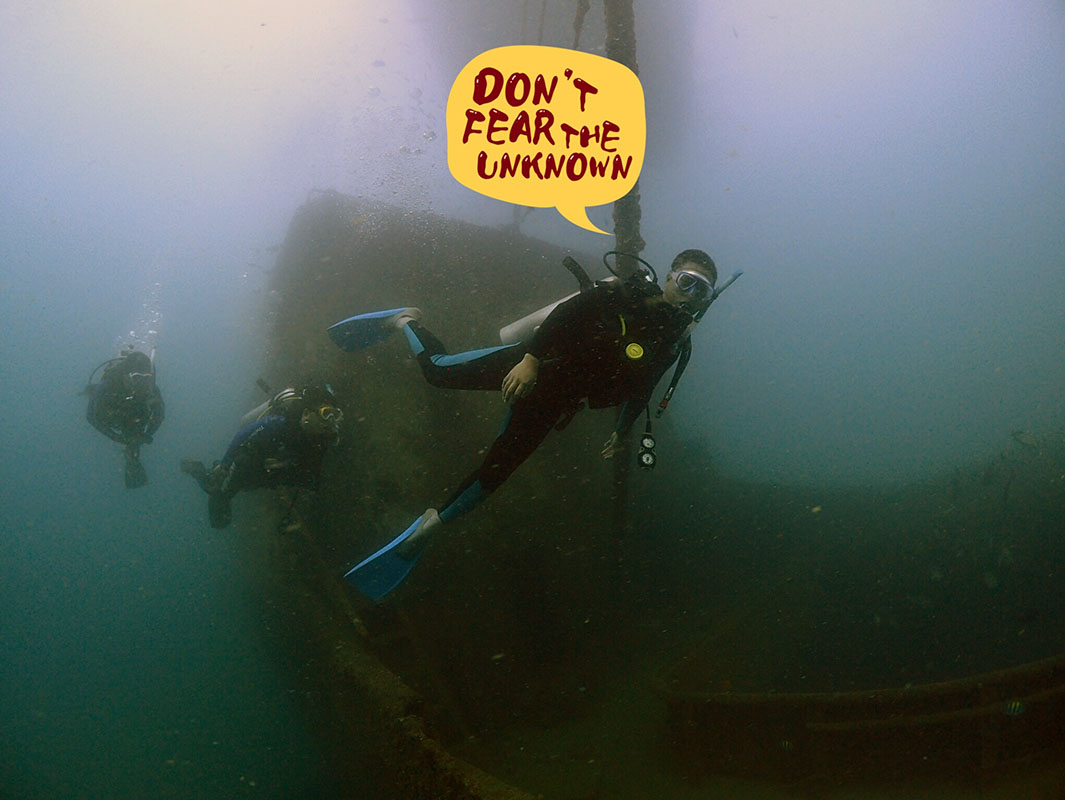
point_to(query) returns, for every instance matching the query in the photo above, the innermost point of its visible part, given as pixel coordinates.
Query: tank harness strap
(104, 367)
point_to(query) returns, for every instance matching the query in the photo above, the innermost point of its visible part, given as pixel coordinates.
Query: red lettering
(554, 166)
(533, 165)
(619, 170)
(472, 116)
(585, 89)
(608, 128)
(509, 164)
(481, 92)
(569, 130)
(598, 167)
(482, 160)
(518, 81)
(521, 127)
(576, 166)
(544, 120)
(495, 116)
(585, 136)
(541, 94)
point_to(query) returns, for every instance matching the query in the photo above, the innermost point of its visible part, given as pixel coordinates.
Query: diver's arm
(521, 379)
(156, 412)
(108, 431)
(93, 415)
(630, 410)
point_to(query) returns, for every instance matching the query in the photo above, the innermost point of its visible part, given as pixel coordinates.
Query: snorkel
(716, 293)
(686, 345)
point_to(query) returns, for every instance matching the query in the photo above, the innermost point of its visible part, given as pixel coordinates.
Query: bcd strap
(682, 362)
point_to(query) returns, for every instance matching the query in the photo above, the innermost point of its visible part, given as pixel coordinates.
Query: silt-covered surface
(535, 634)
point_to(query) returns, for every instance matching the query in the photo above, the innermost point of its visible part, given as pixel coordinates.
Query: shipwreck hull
(539, 614)
(969, 729)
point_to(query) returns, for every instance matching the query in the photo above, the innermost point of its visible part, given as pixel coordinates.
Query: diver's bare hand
(521, 379)
(610, 447)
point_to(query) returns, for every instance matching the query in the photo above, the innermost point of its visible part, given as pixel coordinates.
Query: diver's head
(138, 377)
(321, 415)
(136, 361)
(691, 280)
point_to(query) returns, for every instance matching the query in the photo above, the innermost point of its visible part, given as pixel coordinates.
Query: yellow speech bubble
(547, 127)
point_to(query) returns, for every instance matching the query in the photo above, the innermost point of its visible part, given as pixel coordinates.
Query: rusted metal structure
(969, 729)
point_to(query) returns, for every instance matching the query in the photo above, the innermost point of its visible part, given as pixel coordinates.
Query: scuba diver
(281, 443)
(126, 407)
(607, 345)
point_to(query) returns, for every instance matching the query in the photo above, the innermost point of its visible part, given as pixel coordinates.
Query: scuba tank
(524, 328)
(276, 404)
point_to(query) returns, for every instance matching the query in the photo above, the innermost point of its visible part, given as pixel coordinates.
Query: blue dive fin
(362, 330)
(382, 572)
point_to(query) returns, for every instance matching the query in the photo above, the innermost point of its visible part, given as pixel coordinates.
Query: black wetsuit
(128, 416)
(273, 450)
(604, 346)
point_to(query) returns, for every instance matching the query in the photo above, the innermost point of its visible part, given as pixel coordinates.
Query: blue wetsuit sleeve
(247, 436)
(630, 410)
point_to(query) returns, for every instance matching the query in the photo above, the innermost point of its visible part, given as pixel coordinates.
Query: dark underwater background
(889, 177)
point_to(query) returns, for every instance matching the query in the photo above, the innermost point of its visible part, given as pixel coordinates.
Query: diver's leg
(216, 482)
(197, 470)
(219, 509)
(528, 422)
(134, 473)
(474, 369)
(526, 426)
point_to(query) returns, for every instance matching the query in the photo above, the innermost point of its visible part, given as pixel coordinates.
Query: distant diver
(282, 443)
(607, 345)
(126, 406)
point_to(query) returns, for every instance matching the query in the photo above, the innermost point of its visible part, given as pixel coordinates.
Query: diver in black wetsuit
(127, 407)
(608, 345)
(284, 444)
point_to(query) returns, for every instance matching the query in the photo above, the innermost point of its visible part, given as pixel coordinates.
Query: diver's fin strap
(682, 362)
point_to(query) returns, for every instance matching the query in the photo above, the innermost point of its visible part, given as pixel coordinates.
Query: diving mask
(694, 284)
(331, 414)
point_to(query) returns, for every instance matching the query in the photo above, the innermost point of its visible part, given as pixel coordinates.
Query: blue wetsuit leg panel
(482, 369)
(466, 500)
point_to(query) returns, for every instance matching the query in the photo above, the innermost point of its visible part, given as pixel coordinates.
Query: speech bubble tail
(579, 217)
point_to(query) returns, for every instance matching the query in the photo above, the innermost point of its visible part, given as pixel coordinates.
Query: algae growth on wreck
(537, 613)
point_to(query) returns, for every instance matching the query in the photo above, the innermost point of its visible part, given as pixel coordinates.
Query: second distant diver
(283, 443)
(608, 345)
(125, 405)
